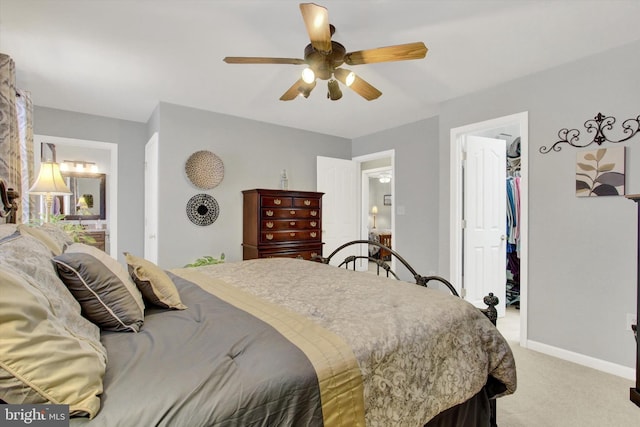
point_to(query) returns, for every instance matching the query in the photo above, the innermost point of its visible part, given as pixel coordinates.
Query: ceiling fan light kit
(334, 93)
(306, 88)
(308, 75)
(345, 76)
(324, 57)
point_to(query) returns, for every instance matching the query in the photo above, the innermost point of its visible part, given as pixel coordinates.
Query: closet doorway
(507, 128)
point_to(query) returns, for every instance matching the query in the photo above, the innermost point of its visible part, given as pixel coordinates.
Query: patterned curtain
(16, 138)
(24, 107)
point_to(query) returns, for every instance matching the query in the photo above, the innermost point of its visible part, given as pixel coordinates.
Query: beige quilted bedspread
(420, 350)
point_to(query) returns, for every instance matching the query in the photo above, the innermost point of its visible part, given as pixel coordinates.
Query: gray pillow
(104, 298)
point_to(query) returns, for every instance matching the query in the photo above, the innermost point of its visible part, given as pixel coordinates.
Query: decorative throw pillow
(31, 259)
(45, 236)
(113, 265)
(40, 360)
(154, 284)
(106, 293)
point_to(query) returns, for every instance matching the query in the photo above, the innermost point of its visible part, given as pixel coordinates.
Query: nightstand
(99, 236)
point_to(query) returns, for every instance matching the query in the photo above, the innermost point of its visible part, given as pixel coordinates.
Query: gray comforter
(209, 365)
(418, 351)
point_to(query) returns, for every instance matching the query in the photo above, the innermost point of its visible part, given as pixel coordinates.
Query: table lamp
(374, 211)
(48, 184)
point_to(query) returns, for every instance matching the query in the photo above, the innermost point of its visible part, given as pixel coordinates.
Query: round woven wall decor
(202, 209)
(204, 169)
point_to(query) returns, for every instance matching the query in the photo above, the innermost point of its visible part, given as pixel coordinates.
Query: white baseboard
(581, 359)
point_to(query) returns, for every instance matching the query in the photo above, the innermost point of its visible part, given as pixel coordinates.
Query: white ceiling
(119, 58)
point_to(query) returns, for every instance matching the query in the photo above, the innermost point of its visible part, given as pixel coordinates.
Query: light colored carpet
(556, 393)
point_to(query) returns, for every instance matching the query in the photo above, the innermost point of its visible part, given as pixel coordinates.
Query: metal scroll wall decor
(600, 125)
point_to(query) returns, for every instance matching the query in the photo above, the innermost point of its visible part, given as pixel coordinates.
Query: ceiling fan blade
(292, 92)
(316, 19)
(401, 52)
(364, 89)
(299, 88)
(261, 60)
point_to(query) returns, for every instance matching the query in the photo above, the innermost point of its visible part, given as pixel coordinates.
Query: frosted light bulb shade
(345, 76)
(350, 78)
(308, 76)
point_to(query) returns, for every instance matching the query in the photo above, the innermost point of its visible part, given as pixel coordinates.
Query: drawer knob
(270, 224)
(307, 202)
(269, 236)
(292, 234)
(292, 223)
(292, 212)
(269, 213)
(277, 201)
(313, 223)
(314, 213)
(313, 234)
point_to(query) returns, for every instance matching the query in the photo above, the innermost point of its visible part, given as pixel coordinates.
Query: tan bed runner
(338, 373)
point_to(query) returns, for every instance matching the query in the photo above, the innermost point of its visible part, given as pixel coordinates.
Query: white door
(338, 180)
(484, 266)
(151, 199)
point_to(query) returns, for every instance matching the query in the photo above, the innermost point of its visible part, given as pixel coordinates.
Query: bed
(260, 342)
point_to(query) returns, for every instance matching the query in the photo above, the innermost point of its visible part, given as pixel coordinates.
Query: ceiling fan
(324, 58)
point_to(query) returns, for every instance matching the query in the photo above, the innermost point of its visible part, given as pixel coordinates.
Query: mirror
(88, 198)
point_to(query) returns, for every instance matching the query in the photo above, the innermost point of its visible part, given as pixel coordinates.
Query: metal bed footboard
(490, 300)
(381, 265)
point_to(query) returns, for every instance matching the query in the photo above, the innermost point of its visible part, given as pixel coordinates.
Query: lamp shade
(49, 180)
(374, 210)
(82, 203)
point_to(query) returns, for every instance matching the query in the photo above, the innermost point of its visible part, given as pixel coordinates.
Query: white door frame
(112, 179)
(456, 211)
(151, 150)
(364, 232)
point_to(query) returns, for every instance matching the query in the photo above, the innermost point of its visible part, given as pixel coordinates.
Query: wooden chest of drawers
(279, 223)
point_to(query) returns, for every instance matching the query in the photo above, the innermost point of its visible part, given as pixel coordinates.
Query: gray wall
(130, 137)
(254, 153)
(416, 174)
(582, 251)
